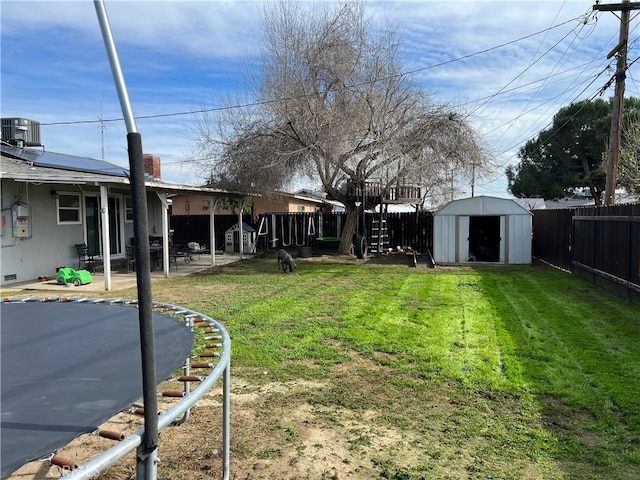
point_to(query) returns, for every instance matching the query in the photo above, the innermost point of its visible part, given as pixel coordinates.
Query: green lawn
(513, 372)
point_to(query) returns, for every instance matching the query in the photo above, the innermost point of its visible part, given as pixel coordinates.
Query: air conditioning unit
(21, 132)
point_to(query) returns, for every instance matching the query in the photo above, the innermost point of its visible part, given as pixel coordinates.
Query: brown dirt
(277, 433)
(290, 430)
(327, 430)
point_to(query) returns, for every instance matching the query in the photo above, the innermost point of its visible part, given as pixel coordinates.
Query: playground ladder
(379, 233)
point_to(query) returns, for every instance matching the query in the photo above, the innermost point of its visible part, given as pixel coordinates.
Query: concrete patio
(120, 279)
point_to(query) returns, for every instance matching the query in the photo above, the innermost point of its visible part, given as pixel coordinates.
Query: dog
(286, 260)
(281, 254)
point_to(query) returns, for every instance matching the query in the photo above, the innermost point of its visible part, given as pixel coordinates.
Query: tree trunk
(349, 228)
(593, 190)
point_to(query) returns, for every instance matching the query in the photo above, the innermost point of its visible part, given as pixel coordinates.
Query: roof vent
(21, 132)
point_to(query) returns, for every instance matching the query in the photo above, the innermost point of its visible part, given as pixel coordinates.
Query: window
(301, 208)
(68, 205)
(128, 209)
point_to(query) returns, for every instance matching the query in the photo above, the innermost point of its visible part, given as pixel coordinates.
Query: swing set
(287, 230)
(297, 224)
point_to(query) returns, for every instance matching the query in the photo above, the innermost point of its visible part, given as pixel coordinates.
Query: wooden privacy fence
(552, 236)
(195, 228)
(318, 229)
(606, 248)
(413, 230)
(324, 230)
(601, 244)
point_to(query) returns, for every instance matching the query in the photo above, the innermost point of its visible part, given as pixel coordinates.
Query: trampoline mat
(68, 367)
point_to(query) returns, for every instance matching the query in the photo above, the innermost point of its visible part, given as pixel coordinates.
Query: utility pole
(618, 99)
(473, 178)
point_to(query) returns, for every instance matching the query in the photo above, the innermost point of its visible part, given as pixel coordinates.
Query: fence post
(629, 253)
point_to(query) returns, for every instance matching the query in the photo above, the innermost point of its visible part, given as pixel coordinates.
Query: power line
(531, 64)
(253, 104)
(406, 73)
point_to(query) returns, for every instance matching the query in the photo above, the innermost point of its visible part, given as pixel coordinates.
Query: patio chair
(174, 253)
(85, 258)
(195, 249)
(131, 258)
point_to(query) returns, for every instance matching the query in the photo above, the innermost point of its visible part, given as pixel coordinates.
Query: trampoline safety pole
(147, 454)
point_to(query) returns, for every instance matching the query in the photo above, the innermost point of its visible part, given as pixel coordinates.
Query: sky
(508, 66)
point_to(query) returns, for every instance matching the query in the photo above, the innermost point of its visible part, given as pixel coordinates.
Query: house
(193, 204)
(482, 229)
(531, 203)
(50, 202)
(569, 202)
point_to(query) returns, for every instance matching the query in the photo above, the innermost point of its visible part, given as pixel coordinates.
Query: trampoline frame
(172, 416)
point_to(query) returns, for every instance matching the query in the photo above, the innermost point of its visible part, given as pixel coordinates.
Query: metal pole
(116, 71)
(226, 422)
(241, 231)
(213, 204)
(165, 235)
(106, 244)
(364, 225)
(147, 451)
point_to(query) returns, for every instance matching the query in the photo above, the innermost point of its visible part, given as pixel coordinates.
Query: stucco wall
(199, 205)
(49, 245)
(52, 245)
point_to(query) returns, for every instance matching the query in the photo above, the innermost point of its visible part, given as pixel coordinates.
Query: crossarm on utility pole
(618, 99)
(616, 7)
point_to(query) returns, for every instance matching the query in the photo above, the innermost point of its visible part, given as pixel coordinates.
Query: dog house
(482, 229)
(232, 238)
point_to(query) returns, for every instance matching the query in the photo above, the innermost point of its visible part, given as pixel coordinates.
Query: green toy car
(77, 277)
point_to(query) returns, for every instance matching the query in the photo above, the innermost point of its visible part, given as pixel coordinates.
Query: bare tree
(629, 166)
(332, 104)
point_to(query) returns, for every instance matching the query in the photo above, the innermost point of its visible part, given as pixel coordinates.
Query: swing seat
(327, 242)
(328, 239)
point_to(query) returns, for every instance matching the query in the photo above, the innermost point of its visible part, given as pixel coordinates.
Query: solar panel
(42, 158)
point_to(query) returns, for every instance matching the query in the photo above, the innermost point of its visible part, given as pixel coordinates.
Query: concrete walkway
(121, 280)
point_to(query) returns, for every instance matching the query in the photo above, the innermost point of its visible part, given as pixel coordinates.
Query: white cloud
(178, 56)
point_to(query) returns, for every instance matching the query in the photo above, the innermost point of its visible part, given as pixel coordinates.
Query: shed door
(462, 239)
(484, 238)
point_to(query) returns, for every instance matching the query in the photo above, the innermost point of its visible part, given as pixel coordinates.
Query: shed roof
(483, 205)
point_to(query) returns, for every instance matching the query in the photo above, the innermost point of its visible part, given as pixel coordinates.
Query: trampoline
(68, 366)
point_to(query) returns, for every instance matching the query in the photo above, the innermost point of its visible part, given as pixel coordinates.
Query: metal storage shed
(482, 229)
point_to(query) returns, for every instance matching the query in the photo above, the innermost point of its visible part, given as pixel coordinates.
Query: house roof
(531, 203)
(25, 171)
(570, 203)
(42, 158)
(36, 166)
(311, 197)
(397, 208)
